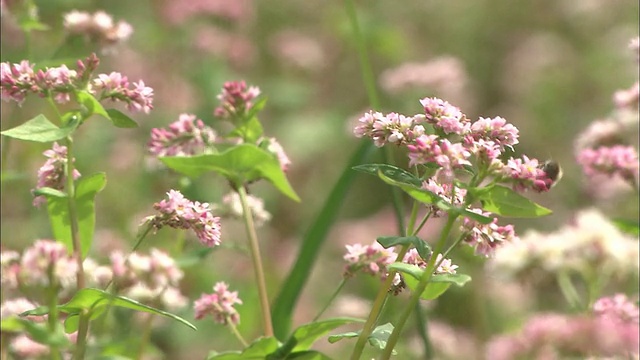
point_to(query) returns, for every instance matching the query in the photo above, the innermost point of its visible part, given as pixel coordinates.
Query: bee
(553, 171)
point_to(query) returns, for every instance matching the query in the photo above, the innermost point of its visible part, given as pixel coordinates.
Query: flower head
(116, 87)
(219, 304)
(615, 160)
(371, 259)
(445, 116)
(99, 27)
(486, 237)
(186, 136)
(52, 174)
(236, 99)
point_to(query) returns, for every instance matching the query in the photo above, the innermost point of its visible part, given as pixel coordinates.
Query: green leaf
(91, 300)
(421, 246)
(250, 131)
(477, 217)
(438, 284)
(503, 201)
(121, 120)
(256, 108)
(92, 104)
(313, 239)
(304, 336)
(421, 195)
(29, 24)
(58, 209)
(40, 129)
(391, 172)
(377, 339)
(631, 227)
(41, 333)
(240, 164)
(47, 191)
(308, 355)
(259, 349)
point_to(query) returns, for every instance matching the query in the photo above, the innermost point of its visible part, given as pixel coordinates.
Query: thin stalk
(415, 296)
(257, 262)
(146, 334)
(375, 309)
(333, 297)
(52, 318)
(423, 331)
(568, 290)
(237, 334)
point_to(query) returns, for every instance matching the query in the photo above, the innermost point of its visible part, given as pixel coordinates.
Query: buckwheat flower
(371, 259)
(116, 87)
(445, 192)
(525, 174)
(181, 213)
(615, 160)
(599, 133)
(486, 237)
(53, 174)
(365, 126)
(220, 304)
(445, 266)
(96, 275)
(486, 150)
(627, 98)
(231, 206)
(445, 116)
(497, 130)
(275, 148)
(16, 80)
(413, 258)
(186, 136)
(617, 308)
(236, 99)
(423, 150)
(43, 255)
(9, 268)
(98, 27)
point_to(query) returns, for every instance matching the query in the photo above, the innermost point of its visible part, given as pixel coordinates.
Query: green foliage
(378, 337)
(506, 202)
(438, 284)
(40, 129)
(421, 246)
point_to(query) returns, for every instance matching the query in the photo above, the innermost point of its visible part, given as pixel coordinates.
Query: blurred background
(548, 67)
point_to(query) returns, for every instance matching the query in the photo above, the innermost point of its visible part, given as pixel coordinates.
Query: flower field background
(550, 68)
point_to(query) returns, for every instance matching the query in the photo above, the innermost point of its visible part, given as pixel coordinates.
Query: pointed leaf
(251, 131)
(121, 120)
(503, 201)
(377, 339)
(47, 191)
(392, 172)
(240, 164)
(92, 104)
(260, 349)
(421, 246)
(304, 336)
(421, 195)
(40, 129)
(308, 355)
(438, 284)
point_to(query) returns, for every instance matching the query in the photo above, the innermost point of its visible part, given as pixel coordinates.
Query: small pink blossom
(37, 260)
(98, 27)
(615, 160)
(526, 174)
(181, 213)
(627, 98)
(275, 148)
(617, 308)
(236, 99)
(486, 237)
(445, 116)
(186, 136)
(371, 259)
(219, 304)
(116, 87)
(445, 192)
(431, 149)
(496, 130)
(53, 174)
(15, 307)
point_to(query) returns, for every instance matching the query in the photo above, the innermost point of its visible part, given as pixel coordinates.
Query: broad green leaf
(40, 129)
(240, 164)
(308, 355)
(477, 217)
(421, 195)
(313, 239)
(391, 172)
(377, 339)
(92, 104)
(503, 201)
(421, 246)
(58, 209)
(121, 120)
(29, 24)
(304, 336)
(259, 349)
(90, 300)
(256, 108)
(251, 131)
(41, 333)
(631, 227)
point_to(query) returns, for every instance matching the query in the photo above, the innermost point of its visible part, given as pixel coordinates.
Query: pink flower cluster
(618, 308)
(445, 266)
(236, 99)
(616, 160)
(186, 136)
(18, 80)
(181, 213)
(219, 304)
(98, 26)
(274, 147)
(454, 142)
(444, 191)
(553, 335)
(53, 174)
(486, 237)
(370, 259)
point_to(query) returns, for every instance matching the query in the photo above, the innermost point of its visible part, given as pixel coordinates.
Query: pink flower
(186, 136)
(445, 116)
(496, 130)
(43, 254)
(444, 191)
(52, 174)
(219, 304)
(236, 99)
(617, 308)
(17, 80)
(615, 160)
(371, 259)
(275, 148)
(486, 237)
(526, 174)
(627, 98)
(181, 213)
(15, 307)
(116, 87)
(99, 27)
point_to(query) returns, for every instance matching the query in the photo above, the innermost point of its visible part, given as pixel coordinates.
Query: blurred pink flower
(616, 160)
(486, 237)
(235, 99)
(302, 51)
(179, 12)
(627, 98)
(98, 27)
(371, 259)
(186, 136)
(445, 116)
(617, 308)
(219, 304)
(53, 174)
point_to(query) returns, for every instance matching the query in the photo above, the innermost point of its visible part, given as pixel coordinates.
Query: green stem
(331, 299)
(146, 334)
(568, 290)
(257, 262)
(235, 332)
(415, 296)
(375, 309)
(423, 331)
(52, 317)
